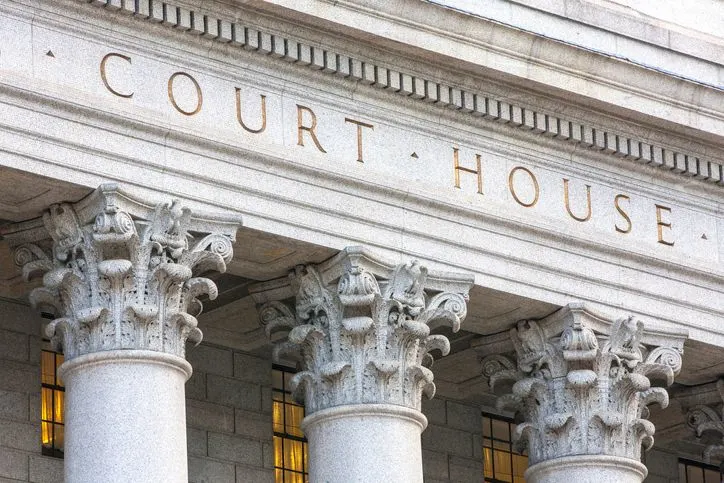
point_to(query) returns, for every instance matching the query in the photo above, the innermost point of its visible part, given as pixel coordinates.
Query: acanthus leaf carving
(583, 389)
(704, 419)
(123, 280)
(364, 336)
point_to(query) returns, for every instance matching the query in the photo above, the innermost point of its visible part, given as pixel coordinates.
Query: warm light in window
(52, 397)
(290, 446)
(500, 462)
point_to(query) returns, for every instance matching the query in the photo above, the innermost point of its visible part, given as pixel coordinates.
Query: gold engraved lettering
(511, 186)
(360, 125)
(660, 224)
(622, 213)
(104, 75)
(567, 201)
(458, 168)
(310, 129)
(263, 113)
(199, 96)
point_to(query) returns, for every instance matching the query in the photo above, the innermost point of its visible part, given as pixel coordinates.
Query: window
(693, 472)
(290, 445)
(52, 403)
(500, 463)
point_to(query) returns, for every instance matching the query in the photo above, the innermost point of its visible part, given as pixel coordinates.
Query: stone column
(582, 385)
(121, 279)
(361, 329)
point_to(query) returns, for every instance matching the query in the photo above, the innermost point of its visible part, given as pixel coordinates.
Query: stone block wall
(228, 405)
(229, 419)
(452, 443)
(663, 466)
(20, 452)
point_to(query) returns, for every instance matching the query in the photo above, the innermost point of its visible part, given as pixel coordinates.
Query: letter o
(512, 189)
(199, 95)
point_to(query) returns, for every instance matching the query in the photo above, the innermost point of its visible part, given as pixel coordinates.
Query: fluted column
(361, 329)
(581, 385)
(121, 279)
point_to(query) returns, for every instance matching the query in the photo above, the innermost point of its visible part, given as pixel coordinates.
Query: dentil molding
(197, 21)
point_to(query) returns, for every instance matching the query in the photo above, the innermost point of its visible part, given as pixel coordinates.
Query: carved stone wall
(362, 328)
(582, 386)
(118, 274)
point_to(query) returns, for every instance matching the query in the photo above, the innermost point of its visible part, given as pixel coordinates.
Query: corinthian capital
(362, 328)
(120, 274)
(583, 382)
(706, 419)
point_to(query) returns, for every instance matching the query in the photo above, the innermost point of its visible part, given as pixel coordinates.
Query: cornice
(195, 21)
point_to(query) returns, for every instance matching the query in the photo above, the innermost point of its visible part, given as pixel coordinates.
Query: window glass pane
(294, 416)
(694, 474)
(278, 453)
(520, 464)
(277, 380)
(711, 476)
(501, 430)
(486, 427)
(500, 445)
(287, 380)
(290, 447)
(59, 359)
(500, 463)
(59, 433)
(488, 462)
(47, 367)
(306, 457)
(293, 456)
(46, 404)
(503, 466)
(46, 432)
(278, 417)
(58, 408)
(291, 477)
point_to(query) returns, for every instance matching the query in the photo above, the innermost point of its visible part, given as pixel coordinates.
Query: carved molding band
(583, 384)
(362, 328)
(200, 22)
(121, 275)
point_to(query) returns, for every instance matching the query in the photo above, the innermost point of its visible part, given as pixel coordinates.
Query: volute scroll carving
(119, 274)
(705, 419)
(361, 329)
(582, 385)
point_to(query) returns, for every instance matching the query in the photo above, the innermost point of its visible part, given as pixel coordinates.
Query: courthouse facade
(235, 235)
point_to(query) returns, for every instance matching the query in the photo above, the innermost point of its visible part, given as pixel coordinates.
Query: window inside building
(500, 462)
(52, 403)
(290, 445)
(693, 472)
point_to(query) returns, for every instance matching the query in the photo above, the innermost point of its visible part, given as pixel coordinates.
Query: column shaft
(123, 280)
(363, 443)
(361, 329)
(125, 418)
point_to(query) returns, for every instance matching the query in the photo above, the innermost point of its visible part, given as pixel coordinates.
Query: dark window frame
(493, 440)
(52, 450)
(687, 463)
(285, 392)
